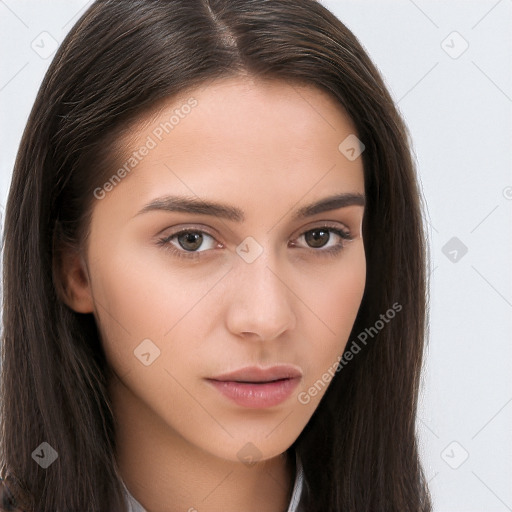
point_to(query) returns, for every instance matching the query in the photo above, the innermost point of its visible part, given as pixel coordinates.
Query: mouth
(253, 381)
(258, 375)
(255, 387)
(256, 394)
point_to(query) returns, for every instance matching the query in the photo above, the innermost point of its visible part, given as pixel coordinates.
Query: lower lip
(256, 396)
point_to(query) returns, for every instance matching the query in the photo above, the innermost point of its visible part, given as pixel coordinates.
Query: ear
(72, 280)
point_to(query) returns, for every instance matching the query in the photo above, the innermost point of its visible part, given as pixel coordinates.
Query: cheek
(336, 295)
(139, 298)
(336, 300)
(345, 298)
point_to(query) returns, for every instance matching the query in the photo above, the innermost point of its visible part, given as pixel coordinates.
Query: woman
(214, 270)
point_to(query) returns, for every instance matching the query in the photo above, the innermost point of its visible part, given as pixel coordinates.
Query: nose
(261, 300)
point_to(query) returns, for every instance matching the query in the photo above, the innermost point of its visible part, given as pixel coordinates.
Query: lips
(258, 388)
(256, 374)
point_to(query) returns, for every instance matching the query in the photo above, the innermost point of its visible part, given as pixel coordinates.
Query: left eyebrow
(202, 207)
(330, 203)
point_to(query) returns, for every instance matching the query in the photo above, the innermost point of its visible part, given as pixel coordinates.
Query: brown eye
(318, 240)
(317, 237)
(189, 243)
(190, 240)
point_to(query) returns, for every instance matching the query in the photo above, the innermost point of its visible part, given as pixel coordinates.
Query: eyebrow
(202, 207)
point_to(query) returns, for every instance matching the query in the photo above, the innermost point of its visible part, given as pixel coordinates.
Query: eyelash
(345, 235)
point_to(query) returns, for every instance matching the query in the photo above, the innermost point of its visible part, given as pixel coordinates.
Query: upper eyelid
(317, 225)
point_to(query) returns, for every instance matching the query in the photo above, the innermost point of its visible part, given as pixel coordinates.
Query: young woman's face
(250, 284)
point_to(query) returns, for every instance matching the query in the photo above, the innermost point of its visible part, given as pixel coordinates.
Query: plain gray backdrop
(448, 66)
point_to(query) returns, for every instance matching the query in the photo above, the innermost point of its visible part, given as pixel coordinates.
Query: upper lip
(258, 374)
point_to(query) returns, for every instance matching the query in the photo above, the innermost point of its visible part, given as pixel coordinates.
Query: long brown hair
(122, 58)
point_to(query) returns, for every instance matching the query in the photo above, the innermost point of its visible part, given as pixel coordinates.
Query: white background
(458, 107)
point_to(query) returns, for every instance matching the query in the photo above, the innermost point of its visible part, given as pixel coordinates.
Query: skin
(267, 148)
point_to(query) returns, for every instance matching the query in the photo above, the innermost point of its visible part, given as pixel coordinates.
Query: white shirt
(134, 506)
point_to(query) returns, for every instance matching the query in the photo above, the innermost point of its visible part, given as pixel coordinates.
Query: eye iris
(316, 240)
(195, 239)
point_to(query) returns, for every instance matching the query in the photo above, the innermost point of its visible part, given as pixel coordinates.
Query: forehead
(229, 109)
(245, 139)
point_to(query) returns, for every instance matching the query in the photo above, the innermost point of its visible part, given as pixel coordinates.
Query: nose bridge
(262, 301)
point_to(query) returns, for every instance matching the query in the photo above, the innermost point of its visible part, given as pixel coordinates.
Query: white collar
(134, 506)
